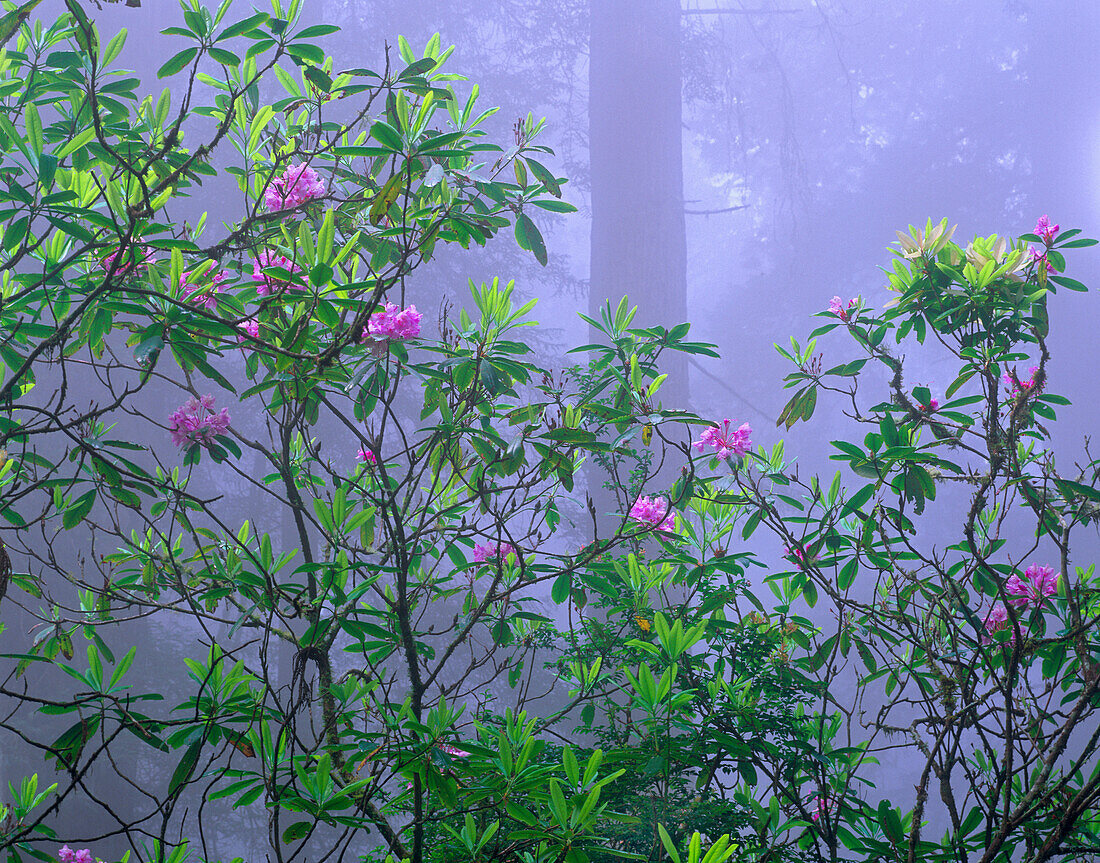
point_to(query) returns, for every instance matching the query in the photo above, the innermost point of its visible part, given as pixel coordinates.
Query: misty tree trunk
(638, 243)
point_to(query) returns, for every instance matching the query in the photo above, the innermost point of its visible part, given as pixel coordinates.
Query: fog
(736, 165)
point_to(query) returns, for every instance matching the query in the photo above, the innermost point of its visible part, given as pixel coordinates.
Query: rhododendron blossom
(453, 750)
(270, 284)
(202, 293)
(836, 306)
(296, 185)
(726, 441)
(196, 422)
(131, 262)
(821, 808)
(654, 512)
(392, 323)
(796, 555)
(68, 855)
(483, 553)
(250, 327)
(365, 455)
(1038, 583)
(997, 619)
(1045, 230)
(1018, 387)
(1041, 261)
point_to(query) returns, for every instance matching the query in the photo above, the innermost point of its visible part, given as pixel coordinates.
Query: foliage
(412, 642)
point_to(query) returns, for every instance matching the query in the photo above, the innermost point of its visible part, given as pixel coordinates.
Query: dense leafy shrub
(420, 640)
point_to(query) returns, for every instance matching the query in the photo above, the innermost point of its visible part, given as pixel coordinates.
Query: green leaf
(9, 24)
(317, 77)
(529, 238)
(848, 574)
(560, 591)
(77, 511)
(246, 25)
(177, 63)
(545, 176)
(186, 766)
(296, 831)
(385, 198)
(387, 136)
(226, 58)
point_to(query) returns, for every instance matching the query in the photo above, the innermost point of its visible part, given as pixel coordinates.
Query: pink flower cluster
(134, 260)
(393, 323)
(997, 619)
(821, 809)
(726, 441)
(483, 553)
(68, 855)
(1045, 230)
(1018, 387)
(365, 455)
(296, 185)
(836, 306)
(653, 511)
(202, 293)
(250, 327)
(196, 422)
(796, 555)
(1040, 259)
(269, 284)
(453, 751)
(1038, 583)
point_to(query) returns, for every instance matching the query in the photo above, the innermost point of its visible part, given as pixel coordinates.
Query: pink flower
(653, 511)
(932, 406)
(393, 324)
(134, 260)
(365, 455)
(269, 284)
(797, 554)
(1038, 583)
(997, 620)
(453, 750)
(821, 809)
(726, 442)
(195, 422)
(1045, 230)
(482, 553)
(250, 327)
(836, 306)
(296, 185)
(202, 293)
(1018, 387)
(1040, 259)
(68, 855)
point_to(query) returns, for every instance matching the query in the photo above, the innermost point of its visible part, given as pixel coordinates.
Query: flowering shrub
(195, 422)
(270, 284)
(653, 512)
(725, 441)
(393, 323)
(493, 550)
(346, 663)
(1038, 583)
(297, 185)
(200, 290)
